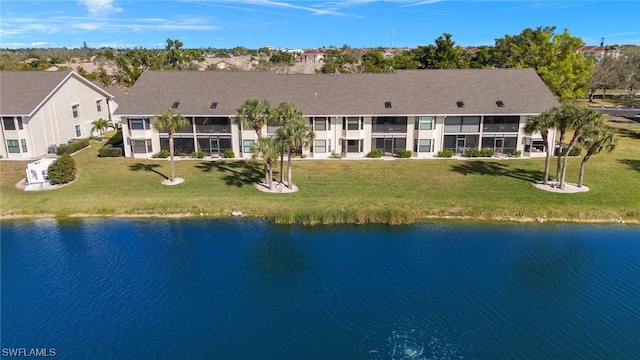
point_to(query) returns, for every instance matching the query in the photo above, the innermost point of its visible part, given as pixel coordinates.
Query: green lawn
(395, 191)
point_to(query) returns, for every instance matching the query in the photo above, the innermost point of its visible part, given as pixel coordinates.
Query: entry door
(388, 146)
(460, 148)
(215, 149)
(499, 145)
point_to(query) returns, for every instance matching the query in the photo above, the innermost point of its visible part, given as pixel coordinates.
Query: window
(8, 123)
(75, 109)
(320, 146)
(136, 124)
(99, 105)
(141, 146)
(501, 124)
(24, 145)
(423, 145)
(247, 146)
(320, 123)
(462, 124)
(78, 131)
(389, 124)
(424, 122)
(353, 123)
(19, 122)
(13, 147)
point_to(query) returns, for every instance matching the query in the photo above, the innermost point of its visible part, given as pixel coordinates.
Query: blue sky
(305, 24)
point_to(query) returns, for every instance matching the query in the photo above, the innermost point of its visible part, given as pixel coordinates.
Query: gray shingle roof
(410, 92)
(22, 91)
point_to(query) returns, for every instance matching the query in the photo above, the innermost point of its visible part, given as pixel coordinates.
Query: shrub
(162, 154)
(473, 153)
(73, 147)
(445, 153)
(575, 151)
(516, 153)
(404, 154)
(109, 151)
(377, 153)
(198, 154)
(229, 154)
(486, 152)
(335, 155)
(63, 170)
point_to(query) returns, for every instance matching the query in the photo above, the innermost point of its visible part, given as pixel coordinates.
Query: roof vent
(175, 105)
(500, 103)
(214, 105)
(460, 104)
(387, 104)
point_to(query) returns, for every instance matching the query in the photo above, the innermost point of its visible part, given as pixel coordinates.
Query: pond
(249, 289)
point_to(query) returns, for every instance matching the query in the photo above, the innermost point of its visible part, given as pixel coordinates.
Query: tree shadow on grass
(632, 163)
(629, 133)
(496, 169)
(236, 173)
(147, 167)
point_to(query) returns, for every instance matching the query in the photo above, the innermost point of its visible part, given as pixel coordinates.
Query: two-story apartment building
(420, 110)
(41, 110)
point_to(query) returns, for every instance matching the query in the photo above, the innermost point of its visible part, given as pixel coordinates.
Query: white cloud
(100, 7)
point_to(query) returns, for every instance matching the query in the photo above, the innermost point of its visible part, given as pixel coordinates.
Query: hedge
(73, 147)
(109, 151)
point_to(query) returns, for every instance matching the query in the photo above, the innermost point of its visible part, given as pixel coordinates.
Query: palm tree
(285, 114)
(596, 139)
(267, 149)
(542, 123)
(295, 134)
(170, 122)
(255, 113)
(101, 125)
(562, 124)
(578, 118)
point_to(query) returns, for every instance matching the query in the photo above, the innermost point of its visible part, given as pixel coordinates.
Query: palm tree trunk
(545, 137)
(266, 173)
(582, 166)
(173, 170)
(290, 182)
(581, 176)
(281, 164)
(559, 165)
(270, 176)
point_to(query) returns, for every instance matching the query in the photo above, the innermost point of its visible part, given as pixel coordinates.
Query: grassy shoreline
(401, 191)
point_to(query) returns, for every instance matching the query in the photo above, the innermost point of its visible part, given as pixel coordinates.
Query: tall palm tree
(295, 134)
(596, 139)
(254, 113)
(170, 122)
(286, 113)
(101, 125)
(562, 118)
(541, 124)
(578, 118)
(267, 149)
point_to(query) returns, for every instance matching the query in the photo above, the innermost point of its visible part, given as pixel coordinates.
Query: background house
(41, 110)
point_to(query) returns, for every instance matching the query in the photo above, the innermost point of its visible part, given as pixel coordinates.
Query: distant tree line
(553, 55)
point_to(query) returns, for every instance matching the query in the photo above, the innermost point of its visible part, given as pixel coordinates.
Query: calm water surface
(248, 289)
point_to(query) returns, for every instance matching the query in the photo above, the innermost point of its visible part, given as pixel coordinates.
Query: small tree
(267, 149)
(170, 122)
(541, 124)
(63, 170)
(101, 125)
(578, 119)
(255, 113)
(596, 139)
